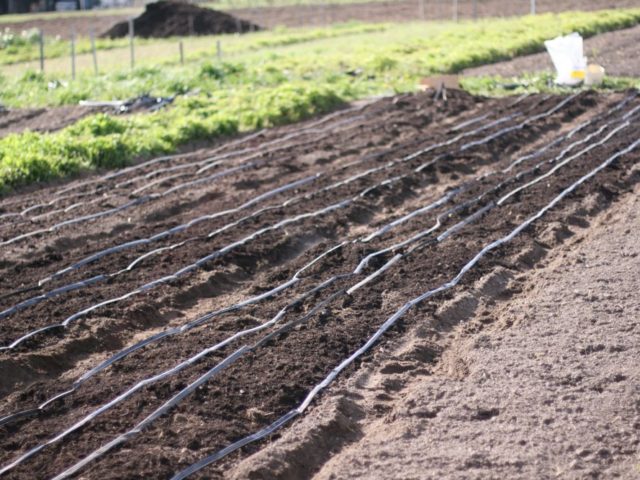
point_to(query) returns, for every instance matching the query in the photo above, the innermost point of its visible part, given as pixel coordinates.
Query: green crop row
(543, 82)
(106, 141)
(258, 88)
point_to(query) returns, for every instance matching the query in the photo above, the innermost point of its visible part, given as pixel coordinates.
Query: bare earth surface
(155, 315)
(615, 51)
(539, 380)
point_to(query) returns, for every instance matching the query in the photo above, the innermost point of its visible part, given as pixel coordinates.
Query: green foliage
(11, 41)
(301, 74)
(105, 141)
(497, 86)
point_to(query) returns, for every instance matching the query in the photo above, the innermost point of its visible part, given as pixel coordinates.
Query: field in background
(295, 13)
(273, 78)
(297, 264)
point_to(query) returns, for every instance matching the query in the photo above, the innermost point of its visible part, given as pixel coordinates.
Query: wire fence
(270, 14)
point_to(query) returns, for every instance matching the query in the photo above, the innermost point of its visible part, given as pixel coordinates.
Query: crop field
(305, 72)
(303, 265)
(187, 307)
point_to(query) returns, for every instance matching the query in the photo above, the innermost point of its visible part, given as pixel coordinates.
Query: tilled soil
(538, 379)
(290, 213)
(615, 51)
(41, 119)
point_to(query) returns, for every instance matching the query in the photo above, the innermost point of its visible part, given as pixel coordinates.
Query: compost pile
(172, 19)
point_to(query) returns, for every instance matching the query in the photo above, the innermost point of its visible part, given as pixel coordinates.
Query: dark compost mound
(168, 19)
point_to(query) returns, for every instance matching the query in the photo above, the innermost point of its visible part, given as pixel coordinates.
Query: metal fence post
(475, 9)
(93, 52)
(41, 41)
(422, 10)
(131, 33)
(455, 10)
(73, 55)
(533, 7)
(181, 47)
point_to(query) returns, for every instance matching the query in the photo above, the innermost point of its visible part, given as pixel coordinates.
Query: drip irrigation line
(297, 133)
(165, 158)
(181, 366)
(523, 124)
(128, 393)
(613, 132)
(573, 131)
(501, 185)
(197, 264)
(471, 121)
(349, 360)
(180, 228)
(207, 162)
(53, 293)
(161, 335)
(130, 204)
(158, 377)
(260, 343)
(325, 284)
(187, 269)
(390, 322)
(199, 321)
(150, 285)
(163, 409)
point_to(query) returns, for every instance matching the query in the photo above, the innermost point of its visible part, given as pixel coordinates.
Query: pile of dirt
(170, 19)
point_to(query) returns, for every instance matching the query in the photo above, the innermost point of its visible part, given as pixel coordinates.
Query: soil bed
(274, 202)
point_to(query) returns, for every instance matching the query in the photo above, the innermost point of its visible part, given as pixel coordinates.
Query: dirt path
(538, 380)
(615, 51)
(128, 293)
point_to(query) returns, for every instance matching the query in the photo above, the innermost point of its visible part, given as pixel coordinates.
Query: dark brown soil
(41, 119)
(539, 378)
(179, 19)
(615, 51)
(275, 376)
